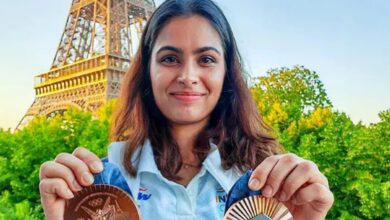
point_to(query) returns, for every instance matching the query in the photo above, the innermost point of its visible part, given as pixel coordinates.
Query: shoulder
(116, 147)
(116, 152)
(114, 172)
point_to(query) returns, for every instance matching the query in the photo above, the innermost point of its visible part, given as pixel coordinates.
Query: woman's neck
(185, 136)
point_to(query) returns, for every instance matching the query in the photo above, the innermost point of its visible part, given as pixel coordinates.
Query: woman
(189, 128)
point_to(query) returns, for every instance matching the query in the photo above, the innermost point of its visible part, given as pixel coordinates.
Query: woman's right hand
(68, 173)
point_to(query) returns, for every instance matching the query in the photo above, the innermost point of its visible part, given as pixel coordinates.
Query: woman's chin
(186, 121)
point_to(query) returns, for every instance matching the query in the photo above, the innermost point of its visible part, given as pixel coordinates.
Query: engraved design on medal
(101, 202)
(107, 212)
(96, 202)
(258, 208)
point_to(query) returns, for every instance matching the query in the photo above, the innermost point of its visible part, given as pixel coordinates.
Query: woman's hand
(297, 183)
(63, 176)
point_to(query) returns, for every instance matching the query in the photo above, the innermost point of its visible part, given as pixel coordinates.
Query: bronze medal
(101, 202)
(258, 208)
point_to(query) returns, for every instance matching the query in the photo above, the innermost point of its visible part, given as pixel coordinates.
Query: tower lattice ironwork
(95, 50)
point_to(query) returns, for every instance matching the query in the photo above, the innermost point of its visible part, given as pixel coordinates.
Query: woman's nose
(188, 75)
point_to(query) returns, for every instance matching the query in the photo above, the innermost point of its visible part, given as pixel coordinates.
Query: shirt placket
(186, 198)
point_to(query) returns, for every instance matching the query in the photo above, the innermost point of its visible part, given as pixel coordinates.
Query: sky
(347, 42)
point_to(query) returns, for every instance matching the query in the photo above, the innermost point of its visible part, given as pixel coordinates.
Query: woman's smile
(187, 96)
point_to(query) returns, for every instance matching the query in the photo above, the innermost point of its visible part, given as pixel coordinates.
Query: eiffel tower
(95, 50)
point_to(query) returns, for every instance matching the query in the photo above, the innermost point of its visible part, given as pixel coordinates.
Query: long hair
(235, 125)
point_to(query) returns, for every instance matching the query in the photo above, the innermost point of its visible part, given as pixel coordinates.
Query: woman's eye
(169, 60)
(207, 60)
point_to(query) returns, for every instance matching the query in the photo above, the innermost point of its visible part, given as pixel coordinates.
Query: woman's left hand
(296, 182)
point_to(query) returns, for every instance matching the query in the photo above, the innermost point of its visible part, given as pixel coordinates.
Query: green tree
(298, 90)
(23, 152)
(354, 157)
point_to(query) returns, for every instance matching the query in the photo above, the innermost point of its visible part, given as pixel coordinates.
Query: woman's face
(187, 70)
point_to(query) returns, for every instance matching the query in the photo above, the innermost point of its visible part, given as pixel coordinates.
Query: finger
(324, 179)
(93, 161)
(317, 194)
(78, 167)
(260, 174)
(285, 165)
(304, 173)
(51, 189)
(51, 169)
(53, 192)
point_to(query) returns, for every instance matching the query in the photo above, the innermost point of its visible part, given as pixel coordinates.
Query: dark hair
(235, 125)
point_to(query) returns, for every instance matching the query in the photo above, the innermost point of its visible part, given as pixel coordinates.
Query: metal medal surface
(101, 202)
(258, 208)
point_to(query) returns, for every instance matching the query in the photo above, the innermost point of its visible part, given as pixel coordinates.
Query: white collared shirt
(159, 198)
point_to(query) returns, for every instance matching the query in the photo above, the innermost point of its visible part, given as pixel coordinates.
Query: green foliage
(355, 158)
(295, 90)
(22, 153)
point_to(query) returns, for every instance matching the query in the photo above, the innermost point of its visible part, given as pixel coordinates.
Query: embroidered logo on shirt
(220, 199)
(221, 196)
(143, 194)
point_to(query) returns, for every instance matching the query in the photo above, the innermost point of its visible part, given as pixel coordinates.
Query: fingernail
(76, 185)
(97, 166)
(254, 184)
(69, 194)
(267, 191)
(88, 178)
(282, 196)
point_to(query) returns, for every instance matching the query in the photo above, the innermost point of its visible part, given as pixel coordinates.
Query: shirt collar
(143, 160)
(212, 164)
(146, 159)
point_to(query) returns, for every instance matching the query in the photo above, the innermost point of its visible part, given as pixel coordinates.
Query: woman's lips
(187, 96)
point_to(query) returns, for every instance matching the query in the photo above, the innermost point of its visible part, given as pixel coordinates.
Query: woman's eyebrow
(204, 49)
(170, 48)
(180, 51)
